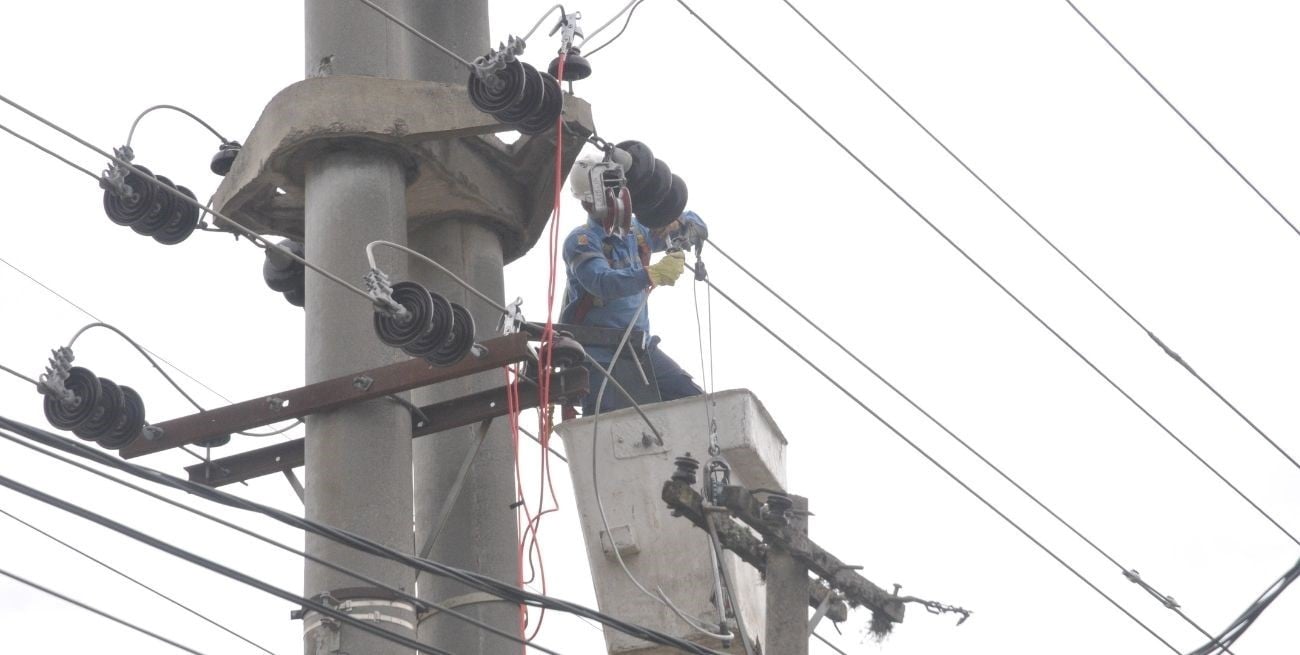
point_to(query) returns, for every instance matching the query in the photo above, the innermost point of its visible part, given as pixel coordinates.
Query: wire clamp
(513, 318)
(568, 28)
(380, 291)
(50, 382)
(114, 177)
(487, 66)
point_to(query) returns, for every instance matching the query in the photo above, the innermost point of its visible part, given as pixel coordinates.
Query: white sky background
(1022, 90)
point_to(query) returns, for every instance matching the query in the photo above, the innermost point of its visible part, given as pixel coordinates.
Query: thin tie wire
(130, 135)
(247, 233)
(614, 38)
(259, 536)
(138, 583)
(969, 448)
(857, 401)
(93, 610)
(828, 643)
(1173, 355)
(422, 36)
(1185, 120)
(989, 275)
(348, 539)
(18, 375)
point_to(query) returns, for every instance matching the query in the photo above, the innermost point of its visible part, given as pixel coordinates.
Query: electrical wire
(471, 579)
(797, 353)
(180, 553)
(256, 238)
(989, 275)
(539, 22)
(627, 7)
(94, 610)
(256, 535)
(1248, 618)
(138, 583)
(620, 32)
(1173, 355)
(49, 152)
(969, 448)
(828, 643)
(18, 375)
(1187, 121)
(418, 34)
(660, 597)
(131, 135)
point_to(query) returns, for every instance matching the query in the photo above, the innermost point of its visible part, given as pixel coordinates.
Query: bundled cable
(1229, 636)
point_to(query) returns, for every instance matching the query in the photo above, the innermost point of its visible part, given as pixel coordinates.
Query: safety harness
(587, 301)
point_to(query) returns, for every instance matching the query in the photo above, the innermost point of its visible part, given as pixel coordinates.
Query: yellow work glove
(666, 271)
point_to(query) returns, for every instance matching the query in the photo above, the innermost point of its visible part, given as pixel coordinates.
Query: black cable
(476, 581)
(267, 540)
(931, 459)
(1166, 100)
(989, 275)
(963, 442)
(101, 613)
(620, 32)
(155, 592)
(210, 565)
(1248, 618)
(1173, 355)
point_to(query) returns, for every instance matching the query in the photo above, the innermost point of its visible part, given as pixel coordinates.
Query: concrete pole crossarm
(842, 577)
(687, 502)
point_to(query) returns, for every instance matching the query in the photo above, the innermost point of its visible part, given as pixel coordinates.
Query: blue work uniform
(611, 270)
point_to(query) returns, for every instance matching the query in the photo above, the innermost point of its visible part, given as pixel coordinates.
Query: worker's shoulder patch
(583, 240)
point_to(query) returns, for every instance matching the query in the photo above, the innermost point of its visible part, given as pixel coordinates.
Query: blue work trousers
(673, 381)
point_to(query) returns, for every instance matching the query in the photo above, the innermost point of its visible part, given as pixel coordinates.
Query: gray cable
(18, 375)
(1186, 120)
(49, 152)
(101, 613)
(130, 135)
(985, 272)
(418, 33)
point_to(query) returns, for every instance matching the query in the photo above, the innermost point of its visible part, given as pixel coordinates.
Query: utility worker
(609, 278)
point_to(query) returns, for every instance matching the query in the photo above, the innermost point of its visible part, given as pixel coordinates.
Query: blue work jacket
(610, 269)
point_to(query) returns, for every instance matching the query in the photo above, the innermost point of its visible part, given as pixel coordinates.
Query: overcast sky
(1024, 91)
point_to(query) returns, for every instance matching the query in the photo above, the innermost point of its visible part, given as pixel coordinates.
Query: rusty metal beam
(687, 502)
(567, 385)
(324, 396)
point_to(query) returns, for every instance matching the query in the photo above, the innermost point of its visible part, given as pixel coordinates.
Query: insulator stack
(516, 94)
(96, 409)
(144, 206)
(429, 326)
(659, 196)
(285, 274)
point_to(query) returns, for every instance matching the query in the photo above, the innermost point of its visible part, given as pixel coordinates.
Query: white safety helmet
(602, 184)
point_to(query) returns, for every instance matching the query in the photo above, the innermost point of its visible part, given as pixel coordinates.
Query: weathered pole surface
(480, 533)
(359, 457)
(787, 591)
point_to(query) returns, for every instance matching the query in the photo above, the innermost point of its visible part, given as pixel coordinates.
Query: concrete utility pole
(358, 458)
(787, 591)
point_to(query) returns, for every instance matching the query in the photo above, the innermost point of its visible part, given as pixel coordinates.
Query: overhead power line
(1096, 285)
(399, 593)
(921, 451)
(1185, 120)
(476, 581)
(138, 583)
(969, 448)
(848, 151)
(48, 639)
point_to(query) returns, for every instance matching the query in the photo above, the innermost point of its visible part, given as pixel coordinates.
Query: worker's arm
(587, 263)
(690, 225)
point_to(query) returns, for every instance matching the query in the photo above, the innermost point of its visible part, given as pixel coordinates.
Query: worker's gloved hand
(693, 227)
(666, 271)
